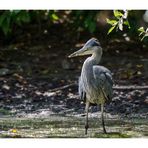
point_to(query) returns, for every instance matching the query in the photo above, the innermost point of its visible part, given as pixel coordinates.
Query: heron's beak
(80, 52)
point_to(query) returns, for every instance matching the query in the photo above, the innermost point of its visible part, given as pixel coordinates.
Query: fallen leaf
(13, 130)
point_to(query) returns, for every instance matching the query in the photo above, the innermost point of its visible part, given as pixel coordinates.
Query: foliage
(143, 33)
(119, 21)
(122, 19)
(10, 21)
(85, 20)
(10, 18)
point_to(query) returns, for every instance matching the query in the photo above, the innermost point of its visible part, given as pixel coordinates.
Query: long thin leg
(86, 122)
(102, 116)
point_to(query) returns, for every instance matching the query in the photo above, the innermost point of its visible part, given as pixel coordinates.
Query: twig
(63, 87)
(130, 87)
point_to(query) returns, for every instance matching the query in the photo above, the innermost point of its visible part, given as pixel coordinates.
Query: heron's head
(90, 47)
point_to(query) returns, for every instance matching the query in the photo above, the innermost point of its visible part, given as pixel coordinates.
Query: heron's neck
(96, 58)
(87, 68)
(87, 73)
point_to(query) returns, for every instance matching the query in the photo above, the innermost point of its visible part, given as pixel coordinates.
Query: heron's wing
(82, 93)
(103, 79)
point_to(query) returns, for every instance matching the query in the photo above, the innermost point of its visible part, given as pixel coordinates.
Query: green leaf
(54, 17)
(127, 24)
(141, 29)
(111, 22)
(117, 13)
(111, 29)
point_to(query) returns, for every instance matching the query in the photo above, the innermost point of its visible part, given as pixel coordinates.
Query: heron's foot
(86, 128)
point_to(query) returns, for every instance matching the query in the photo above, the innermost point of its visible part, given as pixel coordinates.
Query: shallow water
(71, 127)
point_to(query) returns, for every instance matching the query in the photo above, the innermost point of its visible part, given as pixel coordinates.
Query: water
(71, 127)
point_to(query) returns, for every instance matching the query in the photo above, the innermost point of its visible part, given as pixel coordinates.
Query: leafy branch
(143, 33)
(119, 21)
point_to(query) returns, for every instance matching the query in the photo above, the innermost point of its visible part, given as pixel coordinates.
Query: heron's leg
(86, 122)
(102, 116)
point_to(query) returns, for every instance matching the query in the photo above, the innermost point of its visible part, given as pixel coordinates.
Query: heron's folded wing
(103, 79)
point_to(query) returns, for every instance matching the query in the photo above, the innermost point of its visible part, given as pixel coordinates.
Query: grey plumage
(95, 82)
(100, 79)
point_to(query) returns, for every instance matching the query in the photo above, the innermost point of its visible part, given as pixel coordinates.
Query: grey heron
(95, 82)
